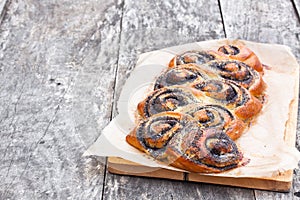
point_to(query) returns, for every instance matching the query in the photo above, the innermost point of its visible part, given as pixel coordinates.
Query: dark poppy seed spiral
(229, 50)
(211, 148)
(180, 75)
(157, 131)
(167, 99)
(198, 57)
(236, 71)
(219, 90)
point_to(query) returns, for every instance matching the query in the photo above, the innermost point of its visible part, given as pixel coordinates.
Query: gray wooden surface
(62, 67)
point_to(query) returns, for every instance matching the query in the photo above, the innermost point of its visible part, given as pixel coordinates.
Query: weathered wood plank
(262, 21)
(3, 7)
(145, 27)
(296, 4)
(271, 22)
(54, 100)
(124, 187)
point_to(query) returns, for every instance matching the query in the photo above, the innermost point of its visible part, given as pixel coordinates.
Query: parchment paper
(263, 143)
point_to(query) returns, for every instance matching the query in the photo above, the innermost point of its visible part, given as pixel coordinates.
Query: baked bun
(176, 139)
(167, 99)
(238, 72)
(215, 118)
(236, 51)
(241, 53)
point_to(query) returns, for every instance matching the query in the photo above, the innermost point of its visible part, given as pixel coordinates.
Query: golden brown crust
(238, 72)
(133, 140)
(258, 88)
(231, 96)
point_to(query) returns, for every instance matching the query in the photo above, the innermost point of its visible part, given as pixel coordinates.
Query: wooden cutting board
(281, 182)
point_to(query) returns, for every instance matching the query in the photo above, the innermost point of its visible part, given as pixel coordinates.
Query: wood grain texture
(270, 22)
(3, 7)
(262, 21)
(296, 4)
(281, 182)
(62, 67)
(124, 187)
(54, 100)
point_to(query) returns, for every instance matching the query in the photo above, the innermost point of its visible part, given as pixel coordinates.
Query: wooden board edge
(277, 184)
(280, 183)
(124, 167)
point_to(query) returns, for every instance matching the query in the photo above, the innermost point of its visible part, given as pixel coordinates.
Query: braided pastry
(176, 139)
(201, 104)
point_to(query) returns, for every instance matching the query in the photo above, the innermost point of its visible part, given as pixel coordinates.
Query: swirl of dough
(177, 139)
(152, 135)
(229, 50)
(216, 117)
(230, 95)
(214, 149)
(211, 151)
(242, 53)
(166, 99)
(182, 75)
(197, 57)
(220, 90)
(238, 72)
(157, 131)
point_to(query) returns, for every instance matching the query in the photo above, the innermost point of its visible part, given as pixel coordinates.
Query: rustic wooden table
(62, 66)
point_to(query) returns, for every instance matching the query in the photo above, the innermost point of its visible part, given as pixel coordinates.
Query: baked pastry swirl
(176, 139)
(241, 53)
(181, 75)
(200, 105)
(215, 118)
(230, 95)
(232, 70)
(223, 93)
(197, 57)
(237, 52)
(238, 72)
(166, 99)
